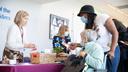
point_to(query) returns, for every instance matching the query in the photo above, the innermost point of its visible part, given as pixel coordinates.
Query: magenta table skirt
(32, 68)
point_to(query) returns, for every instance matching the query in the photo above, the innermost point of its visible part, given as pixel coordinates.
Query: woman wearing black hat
(108, 34)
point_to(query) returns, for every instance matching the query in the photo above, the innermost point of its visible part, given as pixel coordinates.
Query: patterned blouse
(57, 42)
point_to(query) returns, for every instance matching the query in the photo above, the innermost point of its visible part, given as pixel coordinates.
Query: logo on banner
(4, 13)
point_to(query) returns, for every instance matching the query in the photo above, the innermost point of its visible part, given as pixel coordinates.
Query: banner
(4, 13)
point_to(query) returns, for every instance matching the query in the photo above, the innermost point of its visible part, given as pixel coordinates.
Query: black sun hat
(87, 9)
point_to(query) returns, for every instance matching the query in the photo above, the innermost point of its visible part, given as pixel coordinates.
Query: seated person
(92, 36)
(92, 52)
(62, 39)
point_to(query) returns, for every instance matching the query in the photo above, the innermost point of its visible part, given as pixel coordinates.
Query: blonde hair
(66, 27)
(62, 30)
(19, 15)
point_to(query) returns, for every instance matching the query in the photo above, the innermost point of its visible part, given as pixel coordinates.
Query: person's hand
(29, 45)
(82, 53)
(111, 54)
(66, 45)
(34, 49)
(72, 46)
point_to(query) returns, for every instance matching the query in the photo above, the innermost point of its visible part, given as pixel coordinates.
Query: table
(31, 68)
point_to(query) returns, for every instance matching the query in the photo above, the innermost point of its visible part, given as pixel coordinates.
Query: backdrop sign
(4, 13)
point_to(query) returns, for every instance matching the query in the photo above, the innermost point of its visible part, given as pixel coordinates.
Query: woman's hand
(72, 46)
(29, 45)
(82, 53)
(111, 54)
(34, 49)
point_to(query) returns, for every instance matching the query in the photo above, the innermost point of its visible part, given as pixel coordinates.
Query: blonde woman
(62, 38)
(16, 38)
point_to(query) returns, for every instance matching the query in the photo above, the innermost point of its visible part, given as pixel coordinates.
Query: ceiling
(42, 1)
(120, 4)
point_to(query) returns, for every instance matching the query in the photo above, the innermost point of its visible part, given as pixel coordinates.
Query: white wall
(38, 25)
(67, 9)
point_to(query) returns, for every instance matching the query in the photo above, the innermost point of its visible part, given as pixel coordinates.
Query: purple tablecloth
(32, 68)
